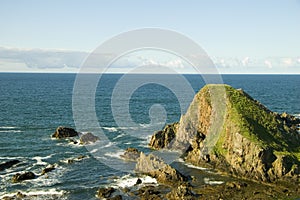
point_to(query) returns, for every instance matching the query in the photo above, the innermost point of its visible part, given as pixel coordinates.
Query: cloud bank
(43, 60)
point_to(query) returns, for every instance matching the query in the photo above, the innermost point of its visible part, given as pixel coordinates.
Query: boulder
(48, 169)
(64, 132)
(88, 138)
(149, 193)
(22, 177)
(8, 164)
(105, 192)
(157, 168)
(131, 154)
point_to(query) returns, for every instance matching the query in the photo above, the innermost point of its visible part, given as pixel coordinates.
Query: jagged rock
(157, 168)
(131, 154)
(229, 130)
(8, 164)
(162, 139)
(88, 138)
(48, 169)
(181, 192)
(64, 132)
(22, 177)
(105, 192)
(117, 197)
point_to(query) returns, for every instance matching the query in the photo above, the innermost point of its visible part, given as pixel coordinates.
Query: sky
(240, 36)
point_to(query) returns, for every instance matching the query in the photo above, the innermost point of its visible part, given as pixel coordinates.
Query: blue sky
(266, 32)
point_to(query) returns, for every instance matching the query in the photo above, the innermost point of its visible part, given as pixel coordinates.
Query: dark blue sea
(32, 106)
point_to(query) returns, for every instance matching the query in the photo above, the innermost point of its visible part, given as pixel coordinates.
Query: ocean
(32, 106)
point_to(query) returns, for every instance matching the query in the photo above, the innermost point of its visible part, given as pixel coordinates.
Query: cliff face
(227, 129)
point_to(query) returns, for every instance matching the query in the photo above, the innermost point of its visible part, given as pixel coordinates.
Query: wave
(114, 154)
(119, 136)
(39, 160)
(54, 193)
(111, 129)
(10, 131)
(8, 127)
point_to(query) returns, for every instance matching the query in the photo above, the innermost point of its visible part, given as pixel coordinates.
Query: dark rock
(19, 195)
(64, 132)
(22, 177)
(162, 139)
(105, 192)
(131, 154)
(88, 138)
(48, 169)
(8, 164)
(157, 168)
(138, 181)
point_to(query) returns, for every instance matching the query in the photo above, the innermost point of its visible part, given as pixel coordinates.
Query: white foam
(111, 129)
(129, 181)
(39, 160)
(94, 150)
(50, 192)
(195, 167)
(212, 182)
(114, 154)
(8, 127)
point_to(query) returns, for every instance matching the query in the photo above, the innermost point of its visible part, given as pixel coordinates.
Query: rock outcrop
(163, 138)
(88, 138)
(157, 168)
(22, 177)
(8, 164)
(105, 192)
(228, 130)
(131, 154)
(64, 132)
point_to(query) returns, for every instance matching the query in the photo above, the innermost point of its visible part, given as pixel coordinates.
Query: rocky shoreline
(254, 152)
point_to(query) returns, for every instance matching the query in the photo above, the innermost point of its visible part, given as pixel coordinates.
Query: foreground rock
(88, 138)
(64, 132)
(228, 130)
(157, 168)
(181, 192)
(22, 177)
(131, 154)
(8, 164)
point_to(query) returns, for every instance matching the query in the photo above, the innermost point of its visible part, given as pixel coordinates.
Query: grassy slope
(256, 123)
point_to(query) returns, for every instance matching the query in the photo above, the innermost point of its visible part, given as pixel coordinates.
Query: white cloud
(268, 64)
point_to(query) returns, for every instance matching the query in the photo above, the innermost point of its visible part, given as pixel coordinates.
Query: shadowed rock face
(228, 130)
(64, 132)
(131, 154)
(8, 164)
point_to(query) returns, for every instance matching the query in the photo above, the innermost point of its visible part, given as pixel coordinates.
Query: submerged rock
(64, 132)
(48, 169)
(228, 130)
(157, 168)
(131, 154)
(8, 164)
(88, 138)
(105, 192)
(22, 177)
